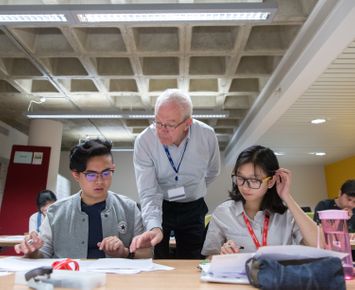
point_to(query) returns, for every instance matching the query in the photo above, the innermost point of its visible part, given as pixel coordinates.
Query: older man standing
(175, 159)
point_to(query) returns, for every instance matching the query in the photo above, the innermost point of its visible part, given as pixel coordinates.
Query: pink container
(337, 237)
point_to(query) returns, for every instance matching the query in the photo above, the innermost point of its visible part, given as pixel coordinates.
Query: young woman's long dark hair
(265, 159)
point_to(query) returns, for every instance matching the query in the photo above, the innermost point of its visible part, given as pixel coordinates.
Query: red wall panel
(23, 182)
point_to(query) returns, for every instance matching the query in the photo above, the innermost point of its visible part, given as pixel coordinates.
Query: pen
(239, 247)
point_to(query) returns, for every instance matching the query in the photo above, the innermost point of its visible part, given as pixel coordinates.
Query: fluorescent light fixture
(279, 153)
(16, 18)
(318, 121)
(119, 115)
(121, 149)
(318, 153)
(140, 116)
(72, 116)
(139, 17)
(156, 12)
(173, 12)
(211, 116)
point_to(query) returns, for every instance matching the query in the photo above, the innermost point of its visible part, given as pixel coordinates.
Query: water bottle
(336, 235)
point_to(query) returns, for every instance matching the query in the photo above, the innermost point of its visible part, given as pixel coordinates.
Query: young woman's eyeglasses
(253, 183)
(168, 127)
(93, 176)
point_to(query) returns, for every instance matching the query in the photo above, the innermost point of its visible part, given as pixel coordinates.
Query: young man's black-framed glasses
(93, 175)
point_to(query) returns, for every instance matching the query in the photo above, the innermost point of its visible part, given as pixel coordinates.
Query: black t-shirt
(330, 204)
(95, 228)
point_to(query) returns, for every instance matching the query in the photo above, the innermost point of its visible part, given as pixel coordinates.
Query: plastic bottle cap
(333, 214)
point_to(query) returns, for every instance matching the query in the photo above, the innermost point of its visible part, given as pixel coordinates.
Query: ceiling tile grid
(124, 67)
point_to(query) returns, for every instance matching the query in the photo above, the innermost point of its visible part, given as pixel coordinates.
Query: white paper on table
(233, 263)
(17, 238)
(125, 266)
(14, 264)
(294, 252)
(107, 265)
(120, 263)
(158, 267)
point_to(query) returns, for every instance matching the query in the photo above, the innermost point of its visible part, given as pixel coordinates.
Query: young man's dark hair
(80, 153)
(348, 188)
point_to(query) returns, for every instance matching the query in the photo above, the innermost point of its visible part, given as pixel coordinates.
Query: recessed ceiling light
(318, 121)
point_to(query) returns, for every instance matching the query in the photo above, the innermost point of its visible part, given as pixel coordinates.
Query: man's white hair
(175, 96)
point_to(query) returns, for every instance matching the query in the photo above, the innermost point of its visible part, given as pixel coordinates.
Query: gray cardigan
(65, 229)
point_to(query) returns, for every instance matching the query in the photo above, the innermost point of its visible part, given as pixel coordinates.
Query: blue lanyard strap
(171, 160)
(39, 220)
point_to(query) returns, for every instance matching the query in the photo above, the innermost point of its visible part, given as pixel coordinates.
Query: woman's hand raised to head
(283, 183)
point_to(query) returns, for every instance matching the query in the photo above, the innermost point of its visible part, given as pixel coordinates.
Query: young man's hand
(114, 247)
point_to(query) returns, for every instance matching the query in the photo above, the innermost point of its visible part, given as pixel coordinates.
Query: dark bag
(308, 274)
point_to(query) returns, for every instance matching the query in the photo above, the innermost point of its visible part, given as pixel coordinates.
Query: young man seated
(344, 201)
(93, 223)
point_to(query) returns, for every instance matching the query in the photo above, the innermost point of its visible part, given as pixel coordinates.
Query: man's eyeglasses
(168, 127)
(93, 176)
(252, 183)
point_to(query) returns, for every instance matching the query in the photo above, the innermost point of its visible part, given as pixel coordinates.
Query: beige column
(48, 133)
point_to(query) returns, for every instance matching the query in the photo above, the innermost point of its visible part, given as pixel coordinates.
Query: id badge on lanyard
(176, 193)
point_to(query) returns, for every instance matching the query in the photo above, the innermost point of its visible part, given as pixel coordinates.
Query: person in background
(44, 199)
(175, 159)
(345, 201)
(261, 211)
(93, 223)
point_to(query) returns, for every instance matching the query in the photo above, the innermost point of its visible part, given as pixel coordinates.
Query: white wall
(308, 184)
(8, 137)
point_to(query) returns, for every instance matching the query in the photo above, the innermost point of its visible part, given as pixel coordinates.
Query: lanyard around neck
(167, 152)
(265, 229)
(39, 220)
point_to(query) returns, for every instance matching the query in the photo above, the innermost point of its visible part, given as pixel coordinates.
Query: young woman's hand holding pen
(230, 247)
